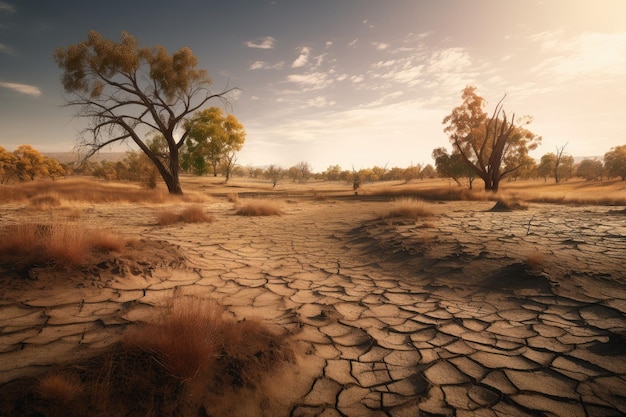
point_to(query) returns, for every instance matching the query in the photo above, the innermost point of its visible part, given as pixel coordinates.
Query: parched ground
(444, 316)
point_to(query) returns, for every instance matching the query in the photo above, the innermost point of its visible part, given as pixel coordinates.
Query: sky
(355, 83)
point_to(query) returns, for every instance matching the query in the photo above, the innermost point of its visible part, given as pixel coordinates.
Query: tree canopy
(615, 162)
(214, 138)
(493, 146)
(126, 91)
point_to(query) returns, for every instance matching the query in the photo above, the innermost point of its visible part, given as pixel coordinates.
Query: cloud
(381, 46)
(30, 90)
(311, 81)
(320, 101)
(303, 59)
(266, 65)
(590, 54)
(6, 7)
(266, 42)
(353, 42)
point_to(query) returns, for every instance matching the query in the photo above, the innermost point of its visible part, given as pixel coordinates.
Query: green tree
(547, 166)
(215, 139)
(615, 162)
(453, 166)
(485, 143)
(126, 90)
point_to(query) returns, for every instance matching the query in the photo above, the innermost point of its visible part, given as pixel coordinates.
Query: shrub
(66, 244)
(409, 208)
(191, 214)
(184, 339)
(259, 207)
(195, 214)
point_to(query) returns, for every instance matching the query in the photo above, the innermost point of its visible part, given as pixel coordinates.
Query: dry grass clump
(80, 189)
(259, 207)
(409, 208)
(45, 201)
(65, 244)
(60, 387)
(191, 214)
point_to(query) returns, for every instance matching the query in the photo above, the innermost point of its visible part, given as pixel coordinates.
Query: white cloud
(353, 42)
(589, 54)
(320, 101)
(381, 46)
(449, 60)
(303, 59)
(311, 81)
(29, 90)
(266, 42)
(266, 65)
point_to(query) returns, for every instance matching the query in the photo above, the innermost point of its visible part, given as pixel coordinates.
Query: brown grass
(80, 190)
(408, 208)
(60, 387)
(66, 244)
(184, 339)
(191, 214)
(258, 207)
(45, 201)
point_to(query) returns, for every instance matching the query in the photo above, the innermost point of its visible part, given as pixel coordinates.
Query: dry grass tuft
(191, 214)
(195, 214)
(64, 244)
(60, 388)
(45, 201)
(408, 208)
(259, 207)
(184, 340)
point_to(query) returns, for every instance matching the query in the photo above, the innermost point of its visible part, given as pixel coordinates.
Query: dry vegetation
(65, 244)
(190, 360)
(258, 207)
(410, 208)
(191, 214)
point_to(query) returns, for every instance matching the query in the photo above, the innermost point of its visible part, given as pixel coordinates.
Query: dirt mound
(138, 257)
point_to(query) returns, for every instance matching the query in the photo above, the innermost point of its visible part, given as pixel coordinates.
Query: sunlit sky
(351, 82)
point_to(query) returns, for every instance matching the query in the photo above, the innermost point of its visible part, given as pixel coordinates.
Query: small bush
(259, 207)
(409, 208)
(185, 339)
(66, 244)
(508, 204)
(191, 214)
(195, 214)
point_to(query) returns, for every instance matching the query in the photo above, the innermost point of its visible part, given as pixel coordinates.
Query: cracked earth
(400, 318)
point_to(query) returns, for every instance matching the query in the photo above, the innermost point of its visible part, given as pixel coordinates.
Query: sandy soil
(444, 316)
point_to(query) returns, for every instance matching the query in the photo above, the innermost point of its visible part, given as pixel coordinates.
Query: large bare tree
(486, 142)
(127, 91)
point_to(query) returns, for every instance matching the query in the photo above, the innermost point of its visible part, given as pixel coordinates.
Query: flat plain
(461, 310)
